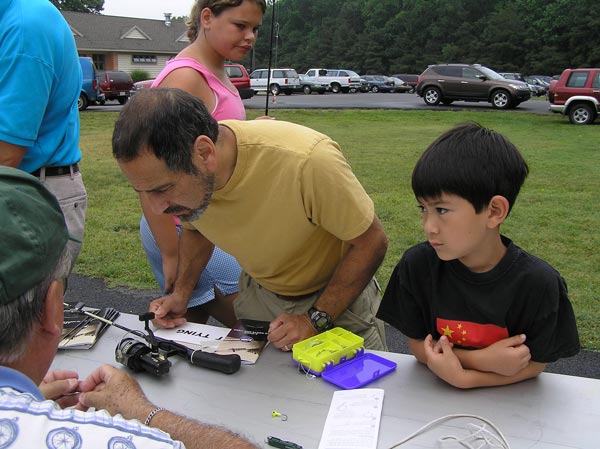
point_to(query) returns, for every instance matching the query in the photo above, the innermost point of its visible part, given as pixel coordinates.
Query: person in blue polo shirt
(40, 83)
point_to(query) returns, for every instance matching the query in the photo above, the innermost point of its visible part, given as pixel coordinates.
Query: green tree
(87, 6)
(405, 36)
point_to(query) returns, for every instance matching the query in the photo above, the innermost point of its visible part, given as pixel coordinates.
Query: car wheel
(336, 88)
(374, 89)
(501, 99)
(122, 100)
(581, 114)
(287, 92)
(412, 90)
(82, 102)
(275, 89)
(432, 96)
(307, 90)
(101, 102)
(322, 91)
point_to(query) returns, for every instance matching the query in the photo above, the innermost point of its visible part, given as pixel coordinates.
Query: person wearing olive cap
(34, 261)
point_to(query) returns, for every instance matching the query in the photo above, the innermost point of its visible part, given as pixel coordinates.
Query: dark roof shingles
(100, 32)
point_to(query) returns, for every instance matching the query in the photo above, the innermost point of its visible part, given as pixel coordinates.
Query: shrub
(139, 75)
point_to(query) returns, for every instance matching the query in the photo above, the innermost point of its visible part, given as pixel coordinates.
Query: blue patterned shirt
(27, 420)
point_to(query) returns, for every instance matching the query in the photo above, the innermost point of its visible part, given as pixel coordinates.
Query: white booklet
(197, 336)
(353, 419)
(246, 339)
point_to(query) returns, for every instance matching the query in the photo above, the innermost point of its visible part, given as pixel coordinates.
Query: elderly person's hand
(111, 389)
(61, 386)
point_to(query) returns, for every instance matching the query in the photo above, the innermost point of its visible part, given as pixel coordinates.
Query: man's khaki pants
(257, 303)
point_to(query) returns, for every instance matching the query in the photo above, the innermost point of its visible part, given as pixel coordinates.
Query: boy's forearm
(506, 357)
(475, 379)
(417, 349)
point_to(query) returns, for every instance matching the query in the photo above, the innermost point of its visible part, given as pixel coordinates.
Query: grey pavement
(94, 293)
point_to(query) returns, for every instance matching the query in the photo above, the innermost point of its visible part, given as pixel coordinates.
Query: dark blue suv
(90, 91)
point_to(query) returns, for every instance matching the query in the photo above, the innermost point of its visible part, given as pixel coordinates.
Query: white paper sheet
(353, 419)
(196, 336)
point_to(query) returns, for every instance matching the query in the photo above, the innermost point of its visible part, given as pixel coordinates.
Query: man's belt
(295, 297)
(57, 171)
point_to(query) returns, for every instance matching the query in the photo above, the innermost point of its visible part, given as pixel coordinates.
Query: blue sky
(147, 9)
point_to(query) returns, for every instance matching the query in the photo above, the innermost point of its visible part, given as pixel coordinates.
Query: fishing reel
(151, 354)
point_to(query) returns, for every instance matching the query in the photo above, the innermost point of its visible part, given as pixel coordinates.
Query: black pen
(282, 444)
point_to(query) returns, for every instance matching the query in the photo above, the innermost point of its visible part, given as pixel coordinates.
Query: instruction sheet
(353, 419)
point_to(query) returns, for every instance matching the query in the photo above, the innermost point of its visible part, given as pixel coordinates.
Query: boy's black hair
(472, 162)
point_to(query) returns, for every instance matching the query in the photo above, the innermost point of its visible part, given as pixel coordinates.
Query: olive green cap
(33, 233)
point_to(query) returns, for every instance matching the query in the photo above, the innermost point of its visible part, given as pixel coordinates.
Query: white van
(282, 80)
(337, 80)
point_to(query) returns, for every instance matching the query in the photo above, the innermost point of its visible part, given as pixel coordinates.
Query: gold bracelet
(151, 415)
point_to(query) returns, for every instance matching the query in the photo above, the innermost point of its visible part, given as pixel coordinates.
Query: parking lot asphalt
(94, 293)
(398, 101)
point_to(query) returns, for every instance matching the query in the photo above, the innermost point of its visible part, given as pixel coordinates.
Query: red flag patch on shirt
(468, 334)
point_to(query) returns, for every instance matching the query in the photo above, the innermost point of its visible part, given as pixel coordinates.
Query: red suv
(238, 75)
(115, 85)
(576, 94)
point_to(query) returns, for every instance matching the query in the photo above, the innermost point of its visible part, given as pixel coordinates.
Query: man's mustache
(176, 210)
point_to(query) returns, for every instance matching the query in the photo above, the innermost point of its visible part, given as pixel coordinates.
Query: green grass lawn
(556, 217)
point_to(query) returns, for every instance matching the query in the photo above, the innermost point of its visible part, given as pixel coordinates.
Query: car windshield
(490, 73)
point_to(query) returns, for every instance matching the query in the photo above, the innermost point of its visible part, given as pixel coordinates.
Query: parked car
(239, 77)
(545, 78)
(115, 85)
(90, 92)
(534, 88)
(410, 79)
(308, 86)
(139, 85)
(540, 86)
(364, 86)
(282, 80)
(576, 94)
(337, 80)
(445, 83)
(536, 80)
(401, 86)
(379, 83)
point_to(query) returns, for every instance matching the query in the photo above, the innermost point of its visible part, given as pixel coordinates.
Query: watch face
(321, 320)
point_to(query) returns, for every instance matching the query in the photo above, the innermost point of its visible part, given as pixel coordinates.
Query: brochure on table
(247, 338)
(81, 331)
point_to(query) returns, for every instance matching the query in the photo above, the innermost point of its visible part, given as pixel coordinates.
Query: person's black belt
(57, 171)
(295, 297)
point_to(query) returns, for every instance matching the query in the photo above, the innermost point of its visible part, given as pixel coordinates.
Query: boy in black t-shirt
(477, 309)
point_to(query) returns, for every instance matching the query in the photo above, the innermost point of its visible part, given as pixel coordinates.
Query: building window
(99, 61)
(143, 59)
